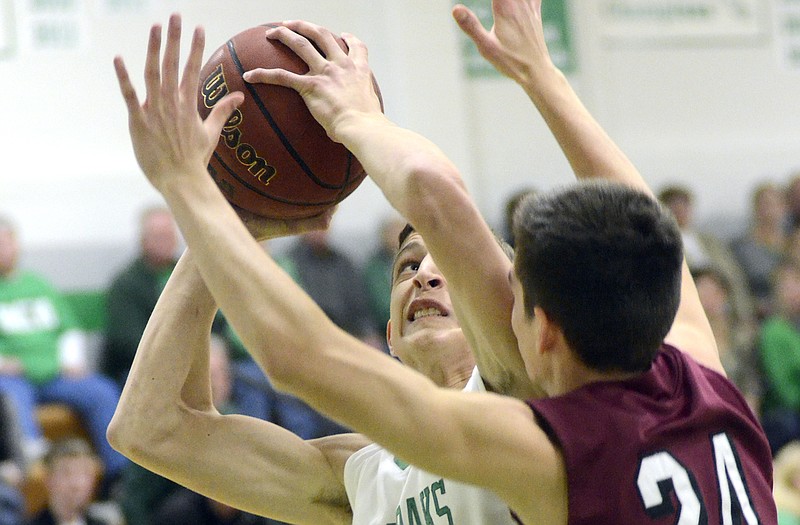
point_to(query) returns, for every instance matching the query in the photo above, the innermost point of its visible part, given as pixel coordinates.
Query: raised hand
(338, 84)
(170, 139)
(515, 45)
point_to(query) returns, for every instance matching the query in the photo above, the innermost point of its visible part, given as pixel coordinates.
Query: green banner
(556, 32)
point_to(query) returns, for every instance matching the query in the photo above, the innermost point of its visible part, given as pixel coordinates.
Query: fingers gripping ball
(273, 159)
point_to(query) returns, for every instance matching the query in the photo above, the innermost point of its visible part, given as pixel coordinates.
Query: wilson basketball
(273, 159)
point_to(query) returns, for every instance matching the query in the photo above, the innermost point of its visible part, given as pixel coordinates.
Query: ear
(389, 337)
(548, 332)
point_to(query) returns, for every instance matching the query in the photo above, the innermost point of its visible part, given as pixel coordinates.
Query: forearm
(168, 371)
(408, 168)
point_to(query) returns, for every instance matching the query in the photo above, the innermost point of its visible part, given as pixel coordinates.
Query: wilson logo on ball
(213, 90)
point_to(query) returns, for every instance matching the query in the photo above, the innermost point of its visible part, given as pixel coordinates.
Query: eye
(407, 266)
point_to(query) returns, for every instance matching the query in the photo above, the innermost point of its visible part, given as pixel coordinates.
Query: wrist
(352, 124)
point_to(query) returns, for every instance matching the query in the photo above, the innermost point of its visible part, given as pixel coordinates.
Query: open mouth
(427, 312)
(423, 308)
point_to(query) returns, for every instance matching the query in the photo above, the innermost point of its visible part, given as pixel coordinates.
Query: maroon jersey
(677, 445)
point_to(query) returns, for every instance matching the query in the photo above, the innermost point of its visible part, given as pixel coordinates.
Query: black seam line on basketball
(346, 190)
(256, 189)
(274, 125)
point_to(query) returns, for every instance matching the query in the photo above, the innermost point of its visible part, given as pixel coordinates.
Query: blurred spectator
(378, 272)
(704, 250)
(71, 474)
(334, 282)
(780, 354)
(140, 492)
(43, 357)
(787, 484)
(134, 291)
(761, 248)
(736, 340)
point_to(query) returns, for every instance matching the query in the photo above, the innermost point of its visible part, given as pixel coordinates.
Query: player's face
(421, 311)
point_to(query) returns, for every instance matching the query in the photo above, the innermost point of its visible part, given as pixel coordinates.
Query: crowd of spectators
(749, 285)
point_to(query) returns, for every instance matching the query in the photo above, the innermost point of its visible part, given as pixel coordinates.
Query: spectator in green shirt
(780, 357)
(42, 357)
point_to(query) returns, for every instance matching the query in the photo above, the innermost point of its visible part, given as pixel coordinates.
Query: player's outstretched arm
(421, 183)
(166, 422)
(165, 419)
(516, 47)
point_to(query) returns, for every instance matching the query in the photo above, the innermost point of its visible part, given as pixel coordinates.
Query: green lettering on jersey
(425, 500)
(441, 510)
(413, 513)
(398, 517)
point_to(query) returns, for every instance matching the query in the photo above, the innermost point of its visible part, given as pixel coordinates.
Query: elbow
(121, 430)
(115, 435)
(137, 434)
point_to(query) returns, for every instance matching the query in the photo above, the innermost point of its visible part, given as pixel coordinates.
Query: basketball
(273, 158)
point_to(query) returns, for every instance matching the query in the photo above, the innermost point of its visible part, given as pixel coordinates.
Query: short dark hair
(404, 233)
(603, 261)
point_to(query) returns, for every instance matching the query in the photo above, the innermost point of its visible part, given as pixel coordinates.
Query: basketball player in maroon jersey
(632, 431)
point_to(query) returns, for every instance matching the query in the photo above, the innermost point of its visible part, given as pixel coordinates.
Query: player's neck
(449, 371)
(569, 373)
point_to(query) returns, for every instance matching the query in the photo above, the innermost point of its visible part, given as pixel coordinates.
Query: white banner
(681, 20)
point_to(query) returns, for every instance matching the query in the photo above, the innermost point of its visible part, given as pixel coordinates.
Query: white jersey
(385, 491)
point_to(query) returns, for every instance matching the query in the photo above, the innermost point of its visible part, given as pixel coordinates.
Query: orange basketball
(273, 158)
